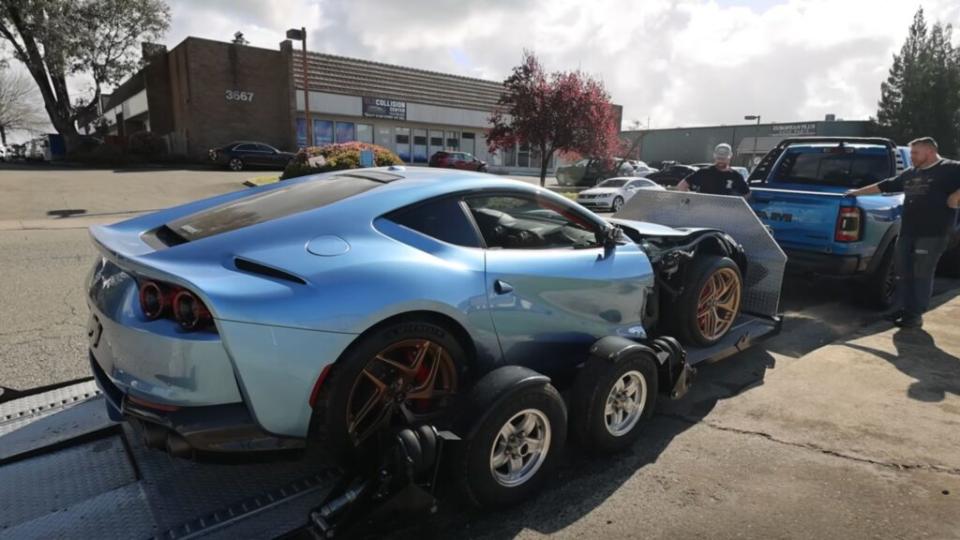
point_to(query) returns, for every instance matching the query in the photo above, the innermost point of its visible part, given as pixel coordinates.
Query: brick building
(202, 94)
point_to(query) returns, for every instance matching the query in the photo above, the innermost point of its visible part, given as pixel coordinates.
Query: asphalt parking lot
(837, 428)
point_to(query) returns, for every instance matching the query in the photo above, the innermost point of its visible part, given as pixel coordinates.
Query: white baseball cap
(723, 151)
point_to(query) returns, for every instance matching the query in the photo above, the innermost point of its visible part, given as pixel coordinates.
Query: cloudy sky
(674, 62)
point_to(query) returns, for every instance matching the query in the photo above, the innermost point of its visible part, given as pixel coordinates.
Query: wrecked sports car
(260, 319)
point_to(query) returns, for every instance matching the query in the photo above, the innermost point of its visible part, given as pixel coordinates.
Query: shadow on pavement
(583, 482)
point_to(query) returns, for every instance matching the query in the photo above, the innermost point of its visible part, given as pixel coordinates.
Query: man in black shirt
(718, 179)
(931, 191)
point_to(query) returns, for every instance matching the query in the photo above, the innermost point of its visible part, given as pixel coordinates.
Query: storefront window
(453, 142)
(468, 142)
(365, 133)
(346, 132)
(419, 146)
(402, 139)
(510, 156)
(322, 132)
(301, 132)
(523, 156)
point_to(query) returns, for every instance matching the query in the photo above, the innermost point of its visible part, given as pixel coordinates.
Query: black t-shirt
(713, 181)
(925, 210)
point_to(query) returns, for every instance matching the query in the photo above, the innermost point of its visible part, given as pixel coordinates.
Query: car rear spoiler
(762, 171)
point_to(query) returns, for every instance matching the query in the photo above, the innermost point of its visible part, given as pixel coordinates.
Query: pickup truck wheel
(710, 302)
(950, 263)
(880, 289)
(612, 402)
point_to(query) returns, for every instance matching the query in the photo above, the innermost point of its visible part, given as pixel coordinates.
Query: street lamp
(301, 34)
(756, 130)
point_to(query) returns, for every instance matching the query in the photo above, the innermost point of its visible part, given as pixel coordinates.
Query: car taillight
(152, 300)
(162, 300)
(189, 311)
(849, 225)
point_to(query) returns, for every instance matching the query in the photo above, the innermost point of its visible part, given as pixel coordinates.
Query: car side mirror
(610, 237)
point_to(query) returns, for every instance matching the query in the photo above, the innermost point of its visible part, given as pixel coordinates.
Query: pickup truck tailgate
(804, 220)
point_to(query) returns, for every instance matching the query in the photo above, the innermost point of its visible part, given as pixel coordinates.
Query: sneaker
(909, 322)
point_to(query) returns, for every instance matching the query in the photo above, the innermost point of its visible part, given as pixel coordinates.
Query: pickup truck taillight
(849, 225)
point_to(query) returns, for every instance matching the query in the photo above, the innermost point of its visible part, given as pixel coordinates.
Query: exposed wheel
(513, 447)
(710, 302)
(880, 289)
(612, 401)
(235, 164)
(404, 374)
(617, 204)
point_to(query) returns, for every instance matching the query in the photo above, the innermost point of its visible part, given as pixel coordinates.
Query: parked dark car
(457, 160)
(672, 175)
(240, 155)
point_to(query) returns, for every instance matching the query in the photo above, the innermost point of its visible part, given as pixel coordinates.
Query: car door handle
(502, 287)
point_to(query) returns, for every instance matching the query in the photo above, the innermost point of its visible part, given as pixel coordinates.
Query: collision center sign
(392, 109)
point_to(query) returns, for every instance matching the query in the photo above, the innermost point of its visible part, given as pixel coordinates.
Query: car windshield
(613, 182)
(842, 166)
(274, 204)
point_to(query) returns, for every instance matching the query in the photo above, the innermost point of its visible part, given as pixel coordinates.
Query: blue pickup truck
(797, 190)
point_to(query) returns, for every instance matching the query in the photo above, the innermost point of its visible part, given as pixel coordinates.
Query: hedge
(336, 157)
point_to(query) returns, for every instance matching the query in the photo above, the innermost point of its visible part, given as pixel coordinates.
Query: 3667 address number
(237, 95)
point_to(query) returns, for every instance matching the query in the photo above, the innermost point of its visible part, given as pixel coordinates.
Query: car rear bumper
(226, 429)
(825, 264)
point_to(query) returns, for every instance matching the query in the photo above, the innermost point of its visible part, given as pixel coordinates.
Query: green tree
(921, 95)
(97, 39)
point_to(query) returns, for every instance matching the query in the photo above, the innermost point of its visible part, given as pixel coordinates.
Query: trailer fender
(675, 375)
(499, 384)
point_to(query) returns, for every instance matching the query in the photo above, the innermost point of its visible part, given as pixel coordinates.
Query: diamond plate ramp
(766, 261)
(54, 482)
(22, 411)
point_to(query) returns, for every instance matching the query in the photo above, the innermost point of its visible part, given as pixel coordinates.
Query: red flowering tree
(566, 112)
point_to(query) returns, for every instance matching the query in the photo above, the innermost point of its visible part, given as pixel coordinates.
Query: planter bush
(336, 157)
(147, 144)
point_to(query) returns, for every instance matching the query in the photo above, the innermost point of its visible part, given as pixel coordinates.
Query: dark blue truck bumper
(826, 264)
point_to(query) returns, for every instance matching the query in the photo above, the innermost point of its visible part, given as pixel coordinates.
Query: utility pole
(756, 131)
(301, 34)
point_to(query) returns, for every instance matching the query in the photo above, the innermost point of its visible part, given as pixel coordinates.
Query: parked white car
(635, 167)
(612, 193)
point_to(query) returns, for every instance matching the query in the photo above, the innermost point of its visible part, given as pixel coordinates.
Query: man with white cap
(718, 179)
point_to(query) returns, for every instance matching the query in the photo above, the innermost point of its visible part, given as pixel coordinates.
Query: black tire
(617, 204)
(592, 389)
(331, 412)
(235, 164)
(471, 461)
(879, 291)
(684, 310)
(949, 266)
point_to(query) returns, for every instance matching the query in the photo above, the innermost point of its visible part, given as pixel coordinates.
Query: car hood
(645, 228)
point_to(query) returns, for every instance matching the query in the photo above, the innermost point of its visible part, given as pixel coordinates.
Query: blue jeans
(916, 264)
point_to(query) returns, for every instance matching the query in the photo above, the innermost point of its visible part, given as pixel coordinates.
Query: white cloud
(678, 62)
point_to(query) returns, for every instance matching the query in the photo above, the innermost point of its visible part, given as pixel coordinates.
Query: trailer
(68, 470)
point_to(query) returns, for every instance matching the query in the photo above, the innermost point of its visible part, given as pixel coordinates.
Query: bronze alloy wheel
(414, 378)
(718, 303)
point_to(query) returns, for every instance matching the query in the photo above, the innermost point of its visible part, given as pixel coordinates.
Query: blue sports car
(260, 319)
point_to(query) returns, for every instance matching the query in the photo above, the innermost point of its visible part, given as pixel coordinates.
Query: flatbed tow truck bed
(68, 471)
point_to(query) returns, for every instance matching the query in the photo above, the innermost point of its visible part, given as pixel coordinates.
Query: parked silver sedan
(610, 194)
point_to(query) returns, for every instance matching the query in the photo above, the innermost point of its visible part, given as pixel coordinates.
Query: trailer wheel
(710, 303)
(612, 402)
(512, 448)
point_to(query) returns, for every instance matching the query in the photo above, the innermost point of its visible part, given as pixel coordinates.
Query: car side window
(265, 148)
(530, 222)
(243, 148)
(442, 219)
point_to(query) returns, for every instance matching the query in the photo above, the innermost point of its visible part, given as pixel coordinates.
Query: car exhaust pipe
(177, 446)
(153, 436)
